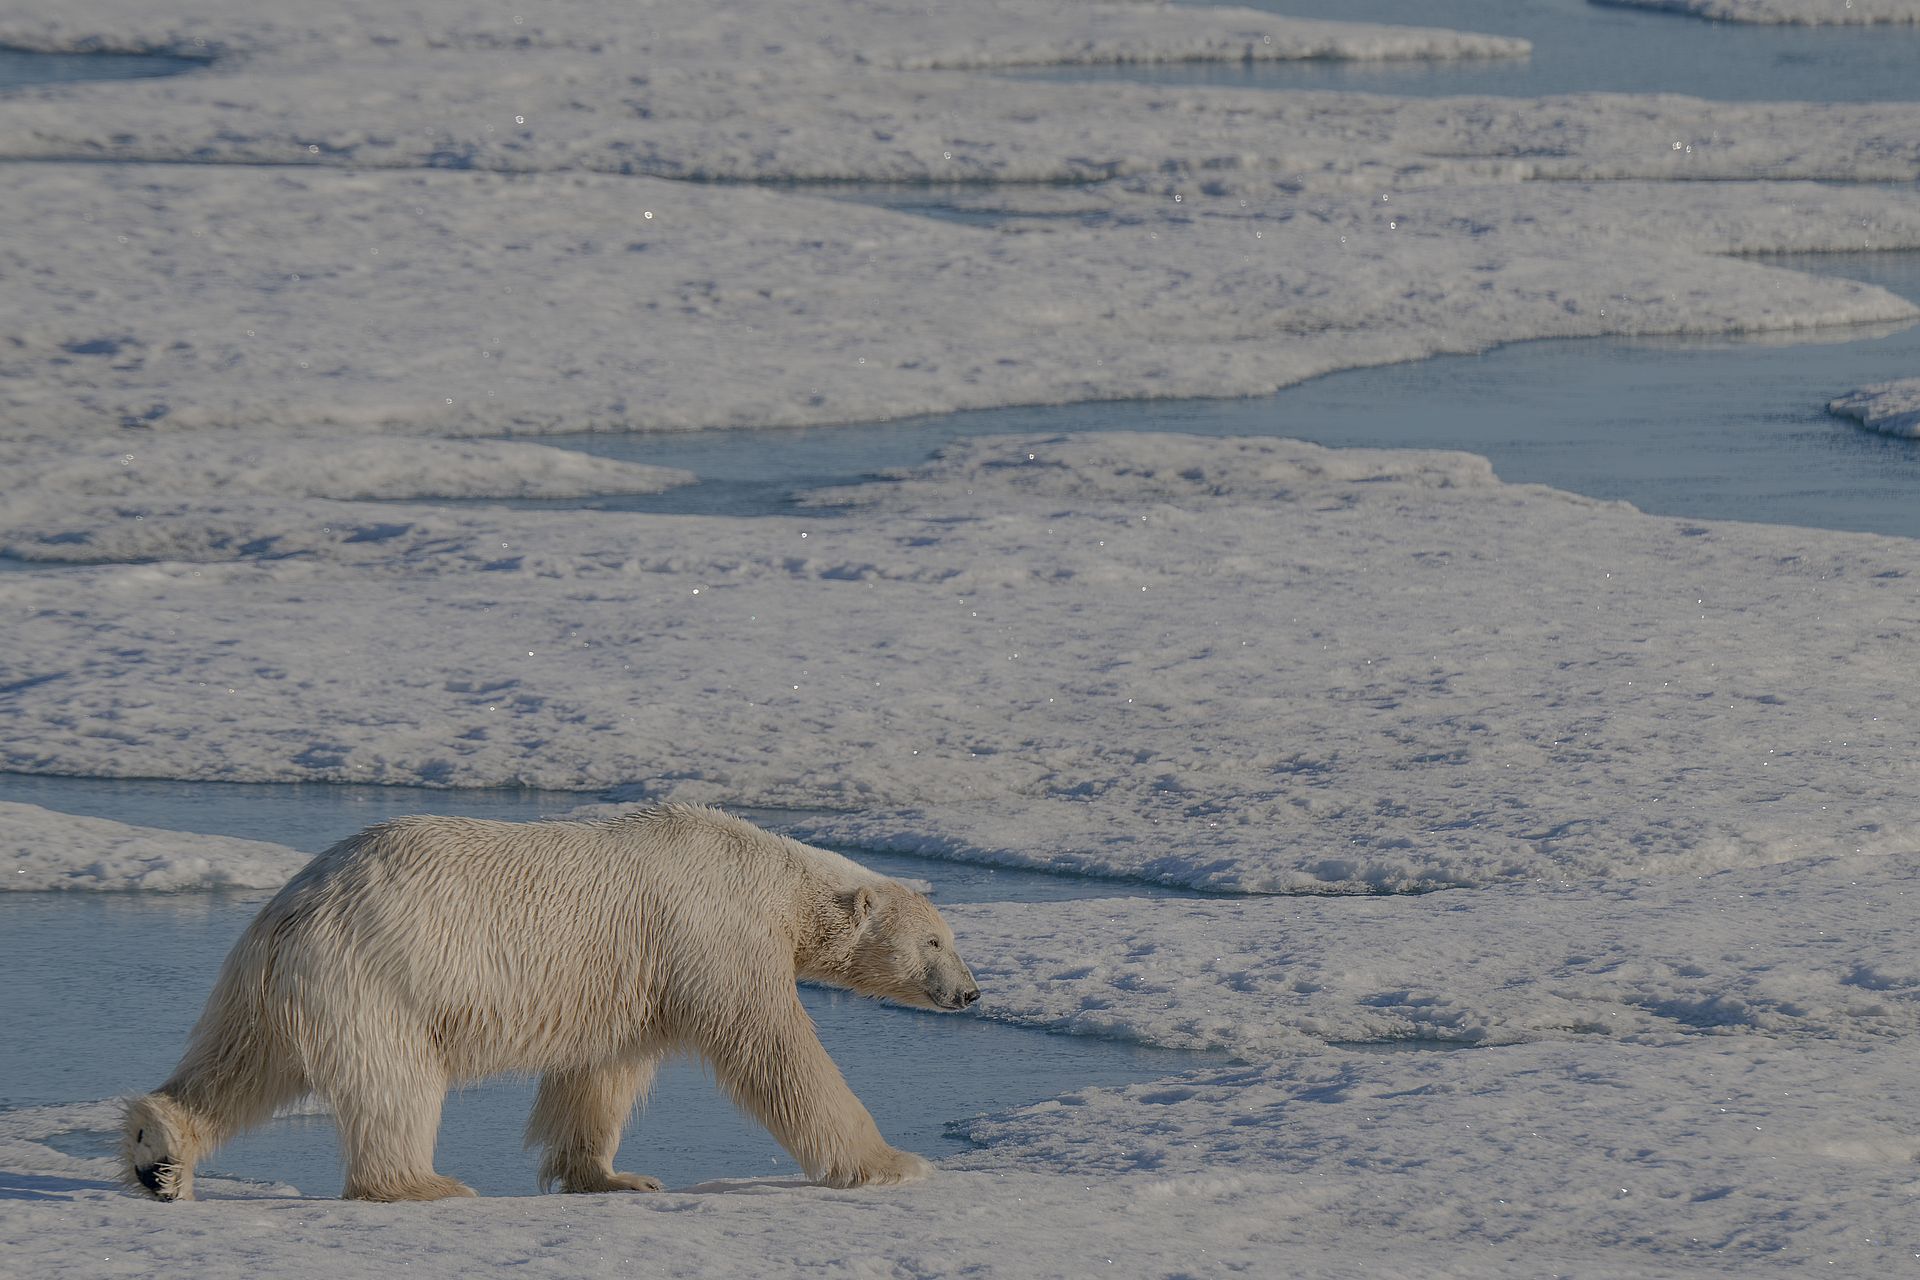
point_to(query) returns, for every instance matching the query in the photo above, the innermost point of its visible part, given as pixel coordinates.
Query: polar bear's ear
(861, 904)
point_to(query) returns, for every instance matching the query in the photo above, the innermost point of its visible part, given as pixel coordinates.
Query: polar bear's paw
(889, 1167)
(595, 1182)
(413, 1186)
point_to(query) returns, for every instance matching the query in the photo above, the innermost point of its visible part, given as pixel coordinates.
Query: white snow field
(1621, 807)
(1891, 408)
(738, 306)
(423, 218)
(1814, 948)
(1248, 665)
(1808, 13)
(347, 467)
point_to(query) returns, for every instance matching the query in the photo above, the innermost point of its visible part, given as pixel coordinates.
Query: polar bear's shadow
(733, 1186)
(236, 1190)
(15, 1185)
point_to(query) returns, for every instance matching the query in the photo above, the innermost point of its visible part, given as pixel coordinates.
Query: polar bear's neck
(822, 930)
(839, 874)
(809, 893)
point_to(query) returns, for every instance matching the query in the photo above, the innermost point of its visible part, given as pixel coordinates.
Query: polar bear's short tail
(162, 1142)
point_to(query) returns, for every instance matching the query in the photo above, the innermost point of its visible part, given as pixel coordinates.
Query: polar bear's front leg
(577, 1117)
(774, 1066)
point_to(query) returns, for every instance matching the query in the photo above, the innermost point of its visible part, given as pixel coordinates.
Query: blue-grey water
(1723, 428)
(20, 69)
(1578, 47)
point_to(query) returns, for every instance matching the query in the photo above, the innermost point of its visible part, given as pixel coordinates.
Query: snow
(724, 123)
(1809, 13)
(430, 219)
(1636, 1137)
(1009, 1222)
(1891, 408)
(41, 849)
(1250, 665)
(762, 308)
(344, 467)
(1704, 1155)
(806, 35)
(1811, 949)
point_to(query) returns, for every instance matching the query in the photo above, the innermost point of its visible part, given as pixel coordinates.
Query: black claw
(157, 1178)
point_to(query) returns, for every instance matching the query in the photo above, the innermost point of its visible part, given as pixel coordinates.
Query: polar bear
(430, 951)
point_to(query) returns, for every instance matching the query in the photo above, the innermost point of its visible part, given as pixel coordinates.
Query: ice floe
(64, 1215)
(1255, 665)
(1710, 1157)
(1891, 408)
(1810, 13)
(1808, 949)
(345, 467)
(318, 268)
(489, 303)
(800, 34)
(41, 849)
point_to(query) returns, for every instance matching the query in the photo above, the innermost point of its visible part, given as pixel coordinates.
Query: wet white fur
(429, 951)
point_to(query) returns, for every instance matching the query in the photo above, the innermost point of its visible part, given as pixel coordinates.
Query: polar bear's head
(903, 951)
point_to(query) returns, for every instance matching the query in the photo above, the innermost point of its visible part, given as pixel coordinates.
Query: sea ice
(344, 467)
(1811, 13)
(795, 34)
(1807, 949)
(1671, 759)
(1891, 408)
(1704, 1157)
(1712, 1157)
(41, 849)
(1256, 665)
(491, 303)
(318, 268)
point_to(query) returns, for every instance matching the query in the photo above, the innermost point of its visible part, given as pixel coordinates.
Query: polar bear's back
(512, 945)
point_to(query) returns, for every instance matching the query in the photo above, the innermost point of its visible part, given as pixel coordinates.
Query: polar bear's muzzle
(953, 992)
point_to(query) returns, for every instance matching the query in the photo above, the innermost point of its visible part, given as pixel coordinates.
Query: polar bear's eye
(934, 943)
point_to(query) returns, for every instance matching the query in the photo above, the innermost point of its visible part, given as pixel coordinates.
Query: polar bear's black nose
(968, 996)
